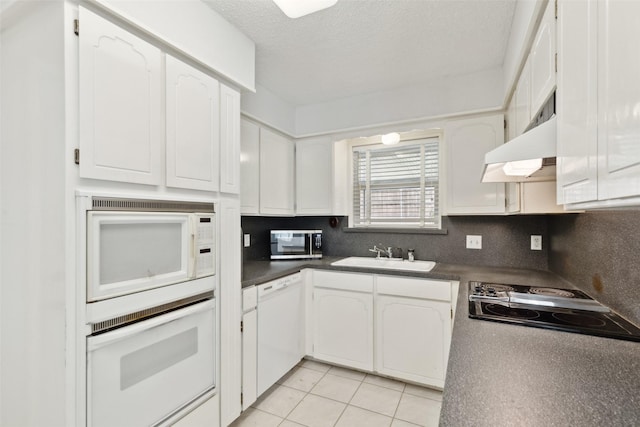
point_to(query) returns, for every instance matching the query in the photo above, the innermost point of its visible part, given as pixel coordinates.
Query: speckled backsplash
(599, 252)
(505, 239)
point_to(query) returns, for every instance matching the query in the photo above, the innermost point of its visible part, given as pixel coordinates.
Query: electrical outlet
(247, 240)
(474, 242)
(536, 242)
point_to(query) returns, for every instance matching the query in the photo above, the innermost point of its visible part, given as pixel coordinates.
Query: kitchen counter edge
(259, 272)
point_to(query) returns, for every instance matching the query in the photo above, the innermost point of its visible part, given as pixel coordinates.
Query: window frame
(408, 139)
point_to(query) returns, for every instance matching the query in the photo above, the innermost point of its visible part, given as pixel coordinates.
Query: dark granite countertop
(506, 375)
(257, 272)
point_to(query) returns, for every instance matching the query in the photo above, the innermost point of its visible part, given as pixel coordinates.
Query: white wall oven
(150, 309)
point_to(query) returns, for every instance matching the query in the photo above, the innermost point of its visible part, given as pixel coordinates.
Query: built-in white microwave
(137, 246)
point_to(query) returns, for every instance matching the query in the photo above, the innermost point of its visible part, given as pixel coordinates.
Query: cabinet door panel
(230, 140)
(523, 100)
(343, 328)
(618, 95)
(577, 167)
(120, 108)
(276, 174)
(542, 58)
(249, 168)
(192, 127)
(249, 358)
(467, 142)
(314, 177)
(413, 338)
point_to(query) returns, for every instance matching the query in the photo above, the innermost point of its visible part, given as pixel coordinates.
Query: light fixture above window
(391, 138)
(298, 8)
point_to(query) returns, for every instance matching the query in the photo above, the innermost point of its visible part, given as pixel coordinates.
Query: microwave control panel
(205, 245)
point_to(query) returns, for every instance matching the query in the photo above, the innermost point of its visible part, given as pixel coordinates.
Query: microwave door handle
(193, 224)
(193, 257)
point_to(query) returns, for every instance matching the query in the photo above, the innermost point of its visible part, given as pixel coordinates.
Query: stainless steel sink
(385, 263)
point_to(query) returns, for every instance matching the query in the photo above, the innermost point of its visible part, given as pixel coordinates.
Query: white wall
(33, 229)
(268, 108)
(452, 95)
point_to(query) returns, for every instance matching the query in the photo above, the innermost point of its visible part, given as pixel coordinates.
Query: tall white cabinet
(146, 124)
(120, 104)
(598, 128)
(230, 140)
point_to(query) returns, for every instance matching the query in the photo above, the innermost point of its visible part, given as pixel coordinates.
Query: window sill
(391, 230)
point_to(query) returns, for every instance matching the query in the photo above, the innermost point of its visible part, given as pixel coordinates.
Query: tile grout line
(324, 373)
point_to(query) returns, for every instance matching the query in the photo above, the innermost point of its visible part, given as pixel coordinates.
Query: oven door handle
(107, 338)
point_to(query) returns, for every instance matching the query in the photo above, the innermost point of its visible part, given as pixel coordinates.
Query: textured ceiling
(366, 46)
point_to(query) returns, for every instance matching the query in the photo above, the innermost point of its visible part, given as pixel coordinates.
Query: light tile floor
(314, 394)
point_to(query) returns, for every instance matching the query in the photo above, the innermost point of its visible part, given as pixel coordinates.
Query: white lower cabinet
(249, 347)
(413, 329)
(394, 326)
(343, 319)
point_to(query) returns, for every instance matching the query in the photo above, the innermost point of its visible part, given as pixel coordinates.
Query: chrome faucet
(388, 252)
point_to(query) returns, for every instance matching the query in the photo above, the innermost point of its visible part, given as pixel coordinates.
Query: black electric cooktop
(568, 310)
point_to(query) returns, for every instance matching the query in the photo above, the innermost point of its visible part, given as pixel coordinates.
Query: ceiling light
(298, 8)
(391, 138)
(522, 167)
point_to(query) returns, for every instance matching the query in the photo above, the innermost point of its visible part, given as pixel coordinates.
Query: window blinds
(397, 186)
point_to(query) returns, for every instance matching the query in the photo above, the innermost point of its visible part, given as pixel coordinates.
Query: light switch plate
(247, 240)
(474, 242)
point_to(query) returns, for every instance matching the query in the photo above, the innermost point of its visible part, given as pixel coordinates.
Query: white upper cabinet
(576, 102)
(598, 93)
(120, 87)
(249, 168)
(618, 99)
(467, 142)
(522, 101)
(276, 174)
(266, 171)
(542, 60)
(192, 102)
(314, 177)
(510, 118)
(230, 140)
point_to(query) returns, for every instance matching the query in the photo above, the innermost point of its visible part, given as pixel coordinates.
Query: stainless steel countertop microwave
(296, 244)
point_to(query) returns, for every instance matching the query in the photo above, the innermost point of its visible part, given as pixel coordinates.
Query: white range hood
(529, 157)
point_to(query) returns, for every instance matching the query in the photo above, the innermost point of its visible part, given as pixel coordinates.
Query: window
(397, 186)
